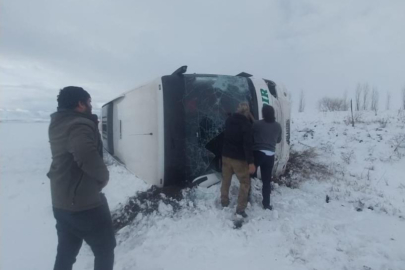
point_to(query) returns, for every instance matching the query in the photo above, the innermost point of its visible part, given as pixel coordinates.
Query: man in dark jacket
(237, 157)
(78, 174)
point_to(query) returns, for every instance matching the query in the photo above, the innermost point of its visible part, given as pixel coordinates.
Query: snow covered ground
(362, 227)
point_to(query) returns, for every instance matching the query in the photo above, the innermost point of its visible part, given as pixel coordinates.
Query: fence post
(351, 107)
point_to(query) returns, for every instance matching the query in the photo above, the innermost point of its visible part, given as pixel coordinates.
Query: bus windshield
(208, 101)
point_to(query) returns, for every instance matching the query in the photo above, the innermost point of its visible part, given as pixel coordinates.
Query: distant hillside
(20, 115)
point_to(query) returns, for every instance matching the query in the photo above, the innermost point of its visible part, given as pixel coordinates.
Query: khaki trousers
(241, 169)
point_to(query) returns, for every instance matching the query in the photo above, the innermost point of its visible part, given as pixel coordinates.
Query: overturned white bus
(169, 131)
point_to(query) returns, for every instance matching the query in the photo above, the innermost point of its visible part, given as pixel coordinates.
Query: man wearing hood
(237, 156)
(77, 175)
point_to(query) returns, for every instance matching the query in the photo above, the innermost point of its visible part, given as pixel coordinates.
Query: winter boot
(224, 203)
(241, 213)
(270, 207)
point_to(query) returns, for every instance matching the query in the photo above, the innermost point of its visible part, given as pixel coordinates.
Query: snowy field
(362, 227)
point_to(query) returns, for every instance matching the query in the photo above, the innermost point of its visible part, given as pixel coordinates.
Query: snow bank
(302, 232)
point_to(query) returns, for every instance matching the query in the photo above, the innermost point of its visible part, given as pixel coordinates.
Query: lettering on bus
(265, 96)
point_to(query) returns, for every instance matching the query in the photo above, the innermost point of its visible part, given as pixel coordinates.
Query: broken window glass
(208, 101)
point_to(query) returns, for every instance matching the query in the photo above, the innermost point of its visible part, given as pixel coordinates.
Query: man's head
(268, 113)
(243, 108)
(74, 98)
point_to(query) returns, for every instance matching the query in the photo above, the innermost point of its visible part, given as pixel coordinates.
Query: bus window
(272, 87)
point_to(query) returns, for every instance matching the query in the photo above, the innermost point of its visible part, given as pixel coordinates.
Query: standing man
(78, 174)
(237, 157)
(266, 134)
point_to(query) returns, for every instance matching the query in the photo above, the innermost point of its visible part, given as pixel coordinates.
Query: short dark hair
(268, 113)
(70, 96)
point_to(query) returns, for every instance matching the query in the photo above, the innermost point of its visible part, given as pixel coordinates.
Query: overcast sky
(321, 47)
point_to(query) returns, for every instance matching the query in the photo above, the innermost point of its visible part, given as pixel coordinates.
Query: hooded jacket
(238, 138)
(77, 172)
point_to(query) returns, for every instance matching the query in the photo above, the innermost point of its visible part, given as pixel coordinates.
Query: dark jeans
(93, 226)
(266, 164)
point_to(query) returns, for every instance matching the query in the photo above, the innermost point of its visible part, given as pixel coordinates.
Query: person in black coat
(237, 156)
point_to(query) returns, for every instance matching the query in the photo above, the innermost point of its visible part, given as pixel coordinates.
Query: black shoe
(268, 207)
(242, 213)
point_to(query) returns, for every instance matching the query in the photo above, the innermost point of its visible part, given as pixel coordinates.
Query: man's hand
(252, 168)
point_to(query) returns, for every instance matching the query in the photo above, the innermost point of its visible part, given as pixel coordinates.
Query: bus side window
(272, 88)
(273, 92)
